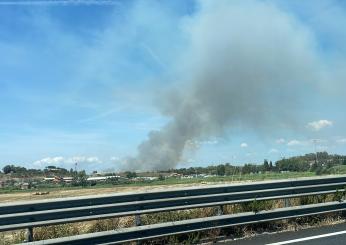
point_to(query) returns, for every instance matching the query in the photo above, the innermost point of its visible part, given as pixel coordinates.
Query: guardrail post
(287, 202)
(30, 234)
(138, 221)
(220, 210)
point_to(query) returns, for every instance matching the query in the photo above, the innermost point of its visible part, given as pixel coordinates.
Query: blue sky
(81, 82)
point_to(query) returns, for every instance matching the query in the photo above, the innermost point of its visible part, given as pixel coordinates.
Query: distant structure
(315, 141)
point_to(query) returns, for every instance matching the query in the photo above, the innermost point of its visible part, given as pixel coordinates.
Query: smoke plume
(245, 64)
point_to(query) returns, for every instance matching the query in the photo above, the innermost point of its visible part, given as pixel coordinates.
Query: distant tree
(319, 170)
(130, 175)
(330, 164)
(80, 179)
(83, 178)
(271, 167)
(314, 166)
(113, 180)
(323, 155)
(266, 165)
(228, 169)
(8, 169)
(295, 164)
(251, 168)
(220, 170)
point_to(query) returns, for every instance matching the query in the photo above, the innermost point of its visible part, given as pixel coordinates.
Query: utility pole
(316, 157)
(234, 167)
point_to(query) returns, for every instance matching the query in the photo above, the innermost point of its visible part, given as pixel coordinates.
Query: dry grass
(237, 232)
(29, 196)
(68, 192)
(55, 231)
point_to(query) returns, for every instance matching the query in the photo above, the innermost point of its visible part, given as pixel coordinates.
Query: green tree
(221, 170)
(271, 167)
(113, 180)
(319, 170)
(8, 169)
(130, 175)
(228, 169)
(266, 165)
(80, 179)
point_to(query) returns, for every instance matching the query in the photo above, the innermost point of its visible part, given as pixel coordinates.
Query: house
(24, 186)
(67, 179)
(99, 178)
(176, 175)
(49, 179)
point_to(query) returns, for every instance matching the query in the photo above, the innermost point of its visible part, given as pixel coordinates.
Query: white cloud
(49, 161)
(243, 145)
(318, 141)
(210, 142)
(294, 142)
(63, 161)
(306, 142)
(280, 141)
(82, 159)
(249, 154)
(318, 125)
(341, 141)
(273, 151)
(115, 159)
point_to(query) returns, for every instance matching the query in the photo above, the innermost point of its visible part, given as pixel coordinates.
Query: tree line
(320, 163)
(49, 171)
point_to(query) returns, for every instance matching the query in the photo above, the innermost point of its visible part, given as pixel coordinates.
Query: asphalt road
(326, 235)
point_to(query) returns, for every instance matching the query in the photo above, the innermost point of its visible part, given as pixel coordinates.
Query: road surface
(326, 235)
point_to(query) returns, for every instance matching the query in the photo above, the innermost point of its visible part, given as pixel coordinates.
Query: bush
(338, 195)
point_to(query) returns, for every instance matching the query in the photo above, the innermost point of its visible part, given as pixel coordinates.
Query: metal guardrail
(67, 210)
(90, 212)
(179, 227)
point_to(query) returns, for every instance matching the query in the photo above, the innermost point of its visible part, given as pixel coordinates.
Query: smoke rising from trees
(245, 64)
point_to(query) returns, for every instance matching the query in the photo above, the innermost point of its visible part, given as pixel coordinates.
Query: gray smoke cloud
(246, 64)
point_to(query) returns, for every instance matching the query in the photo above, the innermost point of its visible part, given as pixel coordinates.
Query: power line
(59, 2)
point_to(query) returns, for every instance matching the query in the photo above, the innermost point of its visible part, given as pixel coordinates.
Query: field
(169, 183)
